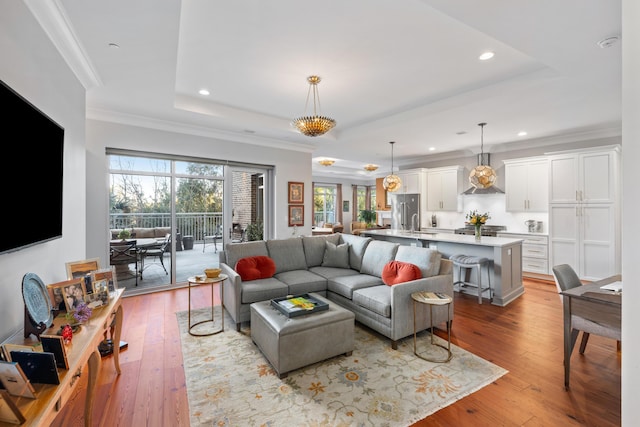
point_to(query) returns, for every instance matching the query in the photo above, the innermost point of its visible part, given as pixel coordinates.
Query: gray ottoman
(291, 343)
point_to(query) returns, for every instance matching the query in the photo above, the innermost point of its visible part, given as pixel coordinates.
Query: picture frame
(387, 199)
(345, 206)
(55, 344)
(71, 291)
(296, 215)
(105, 274)
(9, 411)
(296, 192)
(81, 268)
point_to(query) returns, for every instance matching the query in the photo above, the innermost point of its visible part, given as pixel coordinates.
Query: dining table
(590, 302)
(142, 244)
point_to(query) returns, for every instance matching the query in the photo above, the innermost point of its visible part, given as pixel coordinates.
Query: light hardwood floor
(525, 338)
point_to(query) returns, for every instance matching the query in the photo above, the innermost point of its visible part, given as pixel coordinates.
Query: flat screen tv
(31, 174)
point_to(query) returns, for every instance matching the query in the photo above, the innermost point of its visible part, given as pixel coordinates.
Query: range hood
(483, 159)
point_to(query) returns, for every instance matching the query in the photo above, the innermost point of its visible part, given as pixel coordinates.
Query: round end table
(431, 299)
(202, 280)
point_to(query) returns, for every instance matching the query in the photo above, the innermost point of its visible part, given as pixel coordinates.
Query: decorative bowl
(212, 273)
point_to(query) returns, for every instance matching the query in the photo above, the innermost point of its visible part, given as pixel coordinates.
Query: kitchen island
(505, 255)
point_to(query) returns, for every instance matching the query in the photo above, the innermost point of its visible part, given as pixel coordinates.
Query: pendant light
(316, 124)
(482, 176)
(391, 182)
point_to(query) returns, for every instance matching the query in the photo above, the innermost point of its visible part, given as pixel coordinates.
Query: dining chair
(566, 278)
(124, 253)
(215, 236)
(156, 251)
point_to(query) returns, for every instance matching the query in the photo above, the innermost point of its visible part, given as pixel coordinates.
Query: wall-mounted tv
(31, 174)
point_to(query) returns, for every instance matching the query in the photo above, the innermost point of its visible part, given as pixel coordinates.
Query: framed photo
(387, 199)
(55, 344)
(296, 215)
(296, 192)
(77, 269)
(70, 291)
(345, 206)
(107, 275)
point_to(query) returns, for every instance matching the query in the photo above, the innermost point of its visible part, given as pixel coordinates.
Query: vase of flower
(478, 232)
(477, 220)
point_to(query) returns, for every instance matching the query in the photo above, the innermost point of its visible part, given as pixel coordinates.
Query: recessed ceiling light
(203, 92)
(485, 56)
(522, 133)
(608, 42)
(113, 45)
(462, 132)
(432, 148)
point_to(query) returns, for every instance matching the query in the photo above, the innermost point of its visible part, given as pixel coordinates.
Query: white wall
(32, 67)
(630, 209)
(289, 166)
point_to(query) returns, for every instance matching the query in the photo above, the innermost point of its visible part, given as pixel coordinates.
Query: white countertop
(444, 237)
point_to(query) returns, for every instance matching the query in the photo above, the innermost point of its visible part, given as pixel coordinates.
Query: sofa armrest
(232, 290)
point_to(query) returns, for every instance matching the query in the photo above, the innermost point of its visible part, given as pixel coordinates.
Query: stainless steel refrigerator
(405, 211)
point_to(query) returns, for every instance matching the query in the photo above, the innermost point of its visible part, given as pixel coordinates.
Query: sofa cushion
(303, 281)
(374, 298)
(288, 254)
(357, 247)
(336, 255)
(263, 290)
(346, 285)
(255, 267)
(427, 260)
(395, 272)
(314, 247)
(377, 255)
(236, 251)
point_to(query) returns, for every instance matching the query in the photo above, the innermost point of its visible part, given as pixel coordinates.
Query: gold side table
(196, 281)
(431, 299)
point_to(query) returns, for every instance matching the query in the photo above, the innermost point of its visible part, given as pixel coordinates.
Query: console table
(82, 352)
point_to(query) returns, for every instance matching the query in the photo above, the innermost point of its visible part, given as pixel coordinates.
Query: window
(324, 204)
(364, 198)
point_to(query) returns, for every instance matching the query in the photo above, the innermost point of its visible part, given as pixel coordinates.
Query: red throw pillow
(255, 267)
(395, 272)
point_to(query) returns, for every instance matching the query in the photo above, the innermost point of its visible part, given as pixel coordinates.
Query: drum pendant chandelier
(482, 176)
(391, 182)
(315, 125)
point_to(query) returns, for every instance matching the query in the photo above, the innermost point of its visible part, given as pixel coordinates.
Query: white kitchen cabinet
(413, 181)
(527, 185)
(444, 186)
(535, 253)
(584, 211)
(586, 236)
(584, 177)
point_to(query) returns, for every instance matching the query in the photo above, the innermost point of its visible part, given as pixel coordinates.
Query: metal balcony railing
(197, 224)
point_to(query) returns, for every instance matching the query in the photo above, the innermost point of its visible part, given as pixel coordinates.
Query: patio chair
(123, 254)
(155, 252)
(214, 237)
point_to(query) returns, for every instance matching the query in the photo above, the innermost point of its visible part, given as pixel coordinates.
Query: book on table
(298, 305)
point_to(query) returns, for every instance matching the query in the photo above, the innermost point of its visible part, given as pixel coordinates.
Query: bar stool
(468, 262)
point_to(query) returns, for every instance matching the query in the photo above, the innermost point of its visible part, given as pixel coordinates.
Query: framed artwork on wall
(296, 215)
(387, 199)
(345, 206)
(296, 192)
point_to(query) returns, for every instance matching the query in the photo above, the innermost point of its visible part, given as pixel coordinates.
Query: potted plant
(368, 216)
(254, 231)
(124, 234)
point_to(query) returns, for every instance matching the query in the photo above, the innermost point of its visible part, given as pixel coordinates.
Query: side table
(196, 281)
(431, 299)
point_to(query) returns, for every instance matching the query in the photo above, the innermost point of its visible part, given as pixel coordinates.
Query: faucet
(414, 220)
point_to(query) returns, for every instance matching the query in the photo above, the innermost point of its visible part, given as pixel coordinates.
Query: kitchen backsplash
(495, 204)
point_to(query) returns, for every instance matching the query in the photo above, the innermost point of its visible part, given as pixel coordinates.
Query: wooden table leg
(115, 339)
(94, 368)
(566, 309)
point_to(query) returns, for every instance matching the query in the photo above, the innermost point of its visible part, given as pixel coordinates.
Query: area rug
(230, 383)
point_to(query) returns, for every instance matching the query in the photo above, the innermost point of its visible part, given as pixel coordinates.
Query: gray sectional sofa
(349, 275)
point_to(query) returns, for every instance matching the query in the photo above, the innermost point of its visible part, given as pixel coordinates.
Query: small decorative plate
(36, 299)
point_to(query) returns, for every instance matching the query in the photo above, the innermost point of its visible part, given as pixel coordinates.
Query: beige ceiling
(406, 71)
